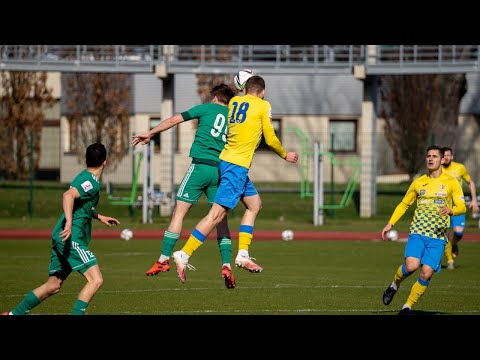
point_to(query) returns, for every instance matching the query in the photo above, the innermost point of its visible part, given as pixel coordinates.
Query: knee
(97, 282)
(411, 268)
(54, 288)
(256, 207)
(458, 234)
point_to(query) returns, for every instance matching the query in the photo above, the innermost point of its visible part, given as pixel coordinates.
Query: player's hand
(66, 232)
(474, 207)
(385, 230)
(292, 157)
(443, 210)
(140, 139)
(107, 220)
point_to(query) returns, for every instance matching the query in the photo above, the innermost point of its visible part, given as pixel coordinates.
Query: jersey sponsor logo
(87, 185)
(441, 193)
(439, 202)
(442, 187)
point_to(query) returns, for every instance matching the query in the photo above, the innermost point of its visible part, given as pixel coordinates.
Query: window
(278, 130)
(343, 136)
(154, 122)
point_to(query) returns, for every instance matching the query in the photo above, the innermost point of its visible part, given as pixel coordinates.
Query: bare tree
(97, 107)
(23, 98)
(419, 110)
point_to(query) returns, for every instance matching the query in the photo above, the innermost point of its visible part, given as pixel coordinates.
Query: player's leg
(224, 241)
(431, 262)
(197, 238)
(170, 238)
(458, 225)
(94, 278)
(224, 238)
(414, 249)
(190, 189)
(449, 255)
(253, 205)
(38, 295)
(82, 260)
(58, 271)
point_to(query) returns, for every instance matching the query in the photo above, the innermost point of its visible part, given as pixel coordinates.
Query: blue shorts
(458, 220)
(234, 185)
(428, 250)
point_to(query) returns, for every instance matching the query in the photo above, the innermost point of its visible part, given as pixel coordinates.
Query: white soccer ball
(241, 78)
(392, 235)
(126, 234)
(287, 235)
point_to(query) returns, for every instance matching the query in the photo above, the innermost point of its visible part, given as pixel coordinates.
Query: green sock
(225, 246)
(27, 304)
(79, 307)
(169, 241)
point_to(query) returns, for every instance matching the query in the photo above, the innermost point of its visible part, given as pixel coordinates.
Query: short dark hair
(255, 84)
(223, 92)
(446, 148)
(440, 149)
(96, 154)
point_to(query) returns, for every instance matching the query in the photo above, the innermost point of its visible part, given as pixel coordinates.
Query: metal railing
(377, 59)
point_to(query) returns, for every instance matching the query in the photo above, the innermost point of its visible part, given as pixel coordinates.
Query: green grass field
(299, 278)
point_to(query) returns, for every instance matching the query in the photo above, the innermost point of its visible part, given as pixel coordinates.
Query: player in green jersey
(201, 177)
(71, 236)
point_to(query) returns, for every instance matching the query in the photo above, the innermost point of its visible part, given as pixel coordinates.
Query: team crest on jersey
(422, 192)
(87, 185)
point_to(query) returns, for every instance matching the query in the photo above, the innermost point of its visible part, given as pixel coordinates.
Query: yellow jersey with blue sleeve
(430, 194)
(458, 171)
(248, 118)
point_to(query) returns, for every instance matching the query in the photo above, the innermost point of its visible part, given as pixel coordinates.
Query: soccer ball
(241, 78)
(287, 235)
(391, 235)
(126, 234)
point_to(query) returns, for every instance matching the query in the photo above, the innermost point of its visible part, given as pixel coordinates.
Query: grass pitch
(299, 278)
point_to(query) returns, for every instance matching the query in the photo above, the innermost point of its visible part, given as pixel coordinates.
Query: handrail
(306, 59)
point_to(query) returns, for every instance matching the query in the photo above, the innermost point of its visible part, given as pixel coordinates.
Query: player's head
(434, 157)
(223, 92)
(255, 85)
(96, 155)
(447, 155)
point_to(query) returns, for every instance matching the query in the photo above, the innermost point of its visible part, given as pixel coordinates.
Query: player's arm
(473, 194)
(69, 197)
(164, 125)
(458, 200)
(271, 138)
(107, 220)
(402, 207)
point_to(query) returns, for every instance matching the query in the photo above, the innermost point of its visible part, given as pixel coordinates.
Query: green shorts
(199, 178)
(71, 255)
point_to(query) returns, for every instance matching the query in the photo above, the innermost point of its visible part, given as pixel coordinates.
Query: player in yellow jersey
(249, 116)
(457, 224)
(439, 196)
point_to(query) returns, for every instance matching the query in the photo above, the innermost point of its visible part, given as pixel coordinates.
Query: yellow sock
(191, 245)
(417, 291)
(448, 251)
(400, 276)
(245, 236)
